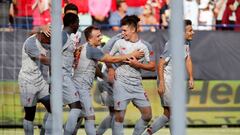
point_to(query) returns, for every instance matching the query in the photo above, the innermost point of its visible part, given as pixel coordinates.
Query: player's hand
(46, 29)
(190, 84)
(161, 88)
(137, 54)
(132, 61)
(111, 75)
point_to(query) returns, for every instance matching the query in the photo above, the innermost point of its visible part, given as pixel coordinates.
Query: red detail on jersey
(149, 130)
(123, 48)
(145, 94)
(118, 103)
(29, 100)
(151, 53)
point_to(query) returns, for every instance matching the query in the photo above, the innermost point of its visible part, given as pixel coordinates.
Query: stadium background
(214, 101)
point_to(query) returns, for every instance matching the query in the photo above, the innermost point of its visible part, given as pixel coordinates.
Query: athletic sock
(72, 121)
(48, 125)
(157, 124)
(105, 124)
(140, 126)
(90, 127)
(79, 123)
(28, 127)
(42, 132)
(118, 128)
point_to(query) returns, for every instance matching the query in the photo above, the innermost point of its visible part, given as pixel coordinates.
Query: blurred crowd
(154, 14)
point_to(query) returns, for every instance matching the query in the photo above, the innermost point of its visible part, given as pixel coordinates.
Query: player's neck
(134, 38)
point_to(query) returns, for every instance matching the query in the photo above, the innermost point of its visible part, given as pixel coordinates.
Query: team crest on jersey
(123, 48)
(151, 53)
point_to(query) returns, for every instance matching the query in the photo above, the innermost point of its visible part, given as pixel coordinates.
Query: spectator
(206, 17)
(220, 6)
(116, 16)
(165, 15)
(191, 12)
(148, 21)
(135, 7)
(83, 13)
(99, 9)
(228, 16)
(41, 13)
(23, 14)
(237, 11)
(4, 14)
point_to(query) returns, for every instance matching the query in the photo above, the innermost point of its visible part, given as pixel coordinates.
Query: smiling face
(95, 38)
(128, 31)
(189, 32)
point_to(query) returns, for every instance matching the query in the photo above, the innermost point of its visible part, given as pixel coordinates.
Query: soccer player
(70, 94)
(33, 87)
(127, 86)
(85, 72)
(105, 87)
(165, 79)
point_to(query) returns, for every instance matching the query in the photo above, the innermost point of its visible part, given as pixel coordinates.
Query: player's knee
(29, 113)
(92, 117)
(119, 118)
(147, 117)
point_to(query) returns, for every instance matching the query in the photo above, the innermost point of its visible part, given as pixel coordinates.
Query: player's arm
(44, 59)
(189, 67)
(120, 58)
(160, 73)
(132, 61)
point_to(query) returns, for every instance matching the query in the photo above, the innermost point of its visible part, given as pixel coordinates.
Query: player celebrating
(33, 87)
(127, 84)
(85, 72)
(165, 79)
(70, 94)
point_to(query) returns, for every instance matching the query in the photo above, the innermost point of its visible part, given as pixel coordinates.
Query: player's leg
(71, 98)
(79, 123)
(144, 107)
(119, 114)
(47, 121)
(75, 110)
(159, 122)
(42, 132)
(107, 122)
(29, 100)
(28, 120)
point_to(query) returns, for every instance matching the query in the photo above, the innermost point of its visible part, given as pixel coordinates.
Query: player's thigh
(86, 103)
(70, 94)
(28, 93)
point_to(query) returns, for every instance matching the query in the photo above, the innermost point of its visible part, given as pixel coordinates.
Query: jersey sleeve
(109, 45)
(115, 48)
(94, 53)
(166, 53)
(148, 52)
(31, 49)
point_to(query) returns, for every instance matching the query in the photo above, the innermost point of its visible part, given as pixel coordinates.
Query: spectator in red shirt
(23, 13)
(135, 7)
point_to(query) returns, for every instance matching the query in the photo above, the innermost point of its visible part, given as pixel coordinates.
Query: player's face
(96, 37)
(75, 26)
(127, 31)
(189, 32)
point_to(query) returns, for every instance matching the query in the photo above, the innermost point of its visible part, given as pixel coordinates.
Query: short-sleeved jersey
(85, 70)
(69, 46)
(167, 56)
(32, 70)
(124, 72)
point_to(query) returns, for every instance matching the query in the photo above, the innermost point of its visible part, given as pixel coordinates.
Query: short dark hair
(119, 2)
(187, 22)
(70, 6)
(131, 20)
(69, 19)
(88, 31)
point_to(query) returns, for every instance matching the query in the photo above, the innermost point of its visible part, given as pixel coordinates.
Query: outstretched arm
(189, 67)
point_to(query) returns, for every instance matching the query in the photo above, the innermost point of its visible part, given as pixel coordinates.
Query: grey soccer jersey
(31, 81)
(70, 94)
(166, 55)
(30, 70)
(124, 72)
(84, 75)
